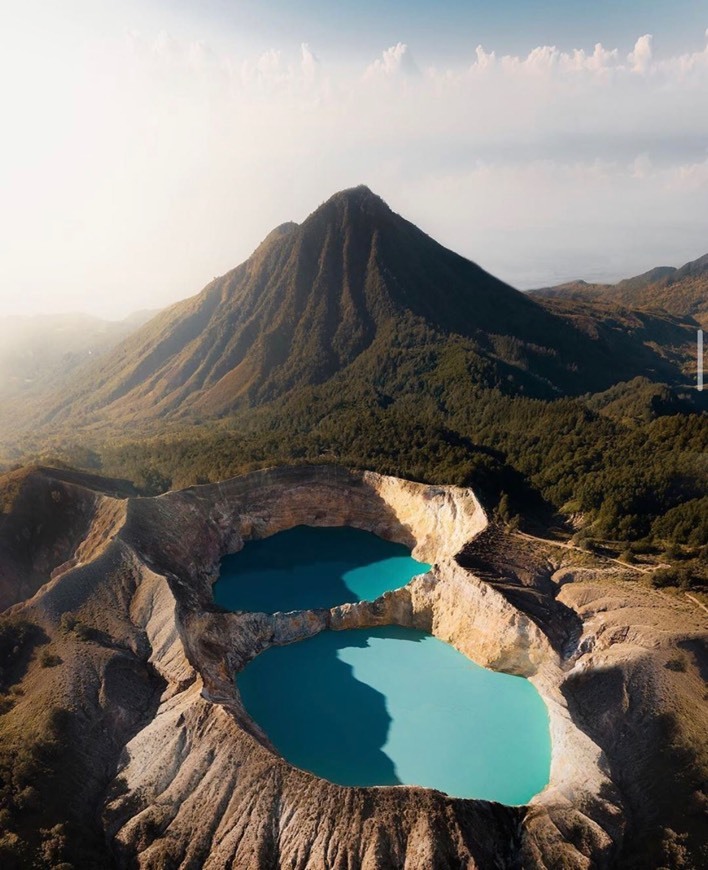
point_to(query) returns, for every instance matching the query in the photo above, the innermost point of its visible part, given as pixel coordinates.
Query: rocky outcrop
(45, 519)
(190, 780)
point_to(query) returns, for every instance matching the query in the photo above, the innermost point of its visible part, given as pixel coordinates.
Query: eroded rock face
(197, 782)
(44, 519)
(448, 602)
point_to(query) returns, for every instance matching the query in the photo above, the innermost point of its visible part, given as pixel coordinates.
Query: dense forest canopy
(631, 472)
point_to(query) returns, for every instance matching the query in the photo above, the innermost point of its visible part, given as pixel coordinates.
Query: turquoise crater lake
(392, 705)
(306, 567)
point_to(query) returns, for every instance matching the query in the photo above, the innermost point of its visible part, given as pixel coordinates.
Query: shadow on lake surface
(389, 705)
(306, 568)
(317, 714)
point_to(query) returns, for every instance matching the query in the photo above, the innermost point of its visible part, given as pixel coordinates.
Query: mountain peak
(352, 199)
(351, 286)
(694, 268)
(358, 193)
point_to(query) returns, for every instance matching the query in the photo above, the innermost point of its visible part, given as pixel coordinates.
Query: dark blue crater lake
(391, 705)
(305, 568)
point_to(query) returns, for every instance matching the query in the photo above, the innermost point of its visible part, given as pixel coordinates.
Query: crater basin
(392, 705)
(305, 568)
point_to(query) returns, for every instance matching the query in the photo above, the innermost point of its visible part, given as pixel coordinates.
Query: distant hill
(357, 287)
(38, 352)
(682, 291)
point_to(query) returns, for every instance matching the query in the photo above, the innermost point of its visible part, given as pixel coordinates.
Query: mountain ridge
(681, 290)
(315, 298)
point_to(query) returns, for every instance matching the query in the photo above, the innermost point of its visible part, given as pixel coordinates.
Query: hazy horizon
(126, 315)
(153, 146)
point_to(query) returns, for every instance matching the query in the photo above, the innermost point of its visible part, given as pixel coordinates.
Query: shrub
(672, 552)
(504, 508)
(49, 660)
(678, 664)
(68, 623)
(13, 850)
(84, 632)
(664, 577)
(54, 842)
(28, 799)
(674, 852)
(16, 637)
(683, 578)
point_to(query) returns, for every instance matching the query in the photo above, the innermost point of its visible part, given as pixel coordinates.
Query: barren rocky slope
(155, 763)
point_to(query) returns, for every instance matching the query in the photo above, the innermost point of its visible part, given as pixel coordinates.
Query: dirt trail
(696, 601)
(568, 546)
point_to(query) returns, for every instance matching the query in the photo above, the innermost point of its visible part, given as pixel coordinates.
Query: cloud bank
(138, 168)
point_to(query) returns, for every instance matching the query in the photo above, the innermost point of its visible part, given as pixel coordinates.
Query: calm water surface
(382, 706)
(305, 568)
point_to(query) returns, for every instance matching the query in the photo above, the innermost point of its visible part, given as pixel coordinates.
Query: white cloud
(640, 59)
(268, 64)
(135, 170)
(642, 166)
(308, 62)
(396, 60)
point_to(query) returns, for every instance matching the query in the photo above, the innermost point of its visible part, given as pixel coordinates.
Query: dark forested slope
(356, 282)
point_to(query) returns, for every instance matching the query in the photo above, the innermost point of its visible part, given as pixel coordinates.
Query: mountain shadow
(317, 714)
(306, 568)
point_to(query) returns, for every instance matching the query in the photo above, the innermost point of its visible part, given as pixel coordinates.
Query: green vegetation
(29, 835)
(687, 523)
(17, 640)
(67, 623)
(637, 479)
(681, 291)
(675, 854)
(683, 577)
(49, 660)
(358, 340)
(634, 483)
(355, 338)
(70, 624)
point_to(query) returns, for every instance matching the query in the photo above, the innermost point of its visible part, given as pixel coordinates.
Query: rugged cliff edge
(156, 763)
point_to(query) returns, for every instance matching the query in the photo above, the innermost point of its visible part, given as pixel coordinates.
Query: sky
(148, 146)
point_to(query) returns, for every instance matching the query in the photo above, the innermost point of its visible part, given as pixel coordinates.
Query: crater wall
(189, 534)
(185, 778)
